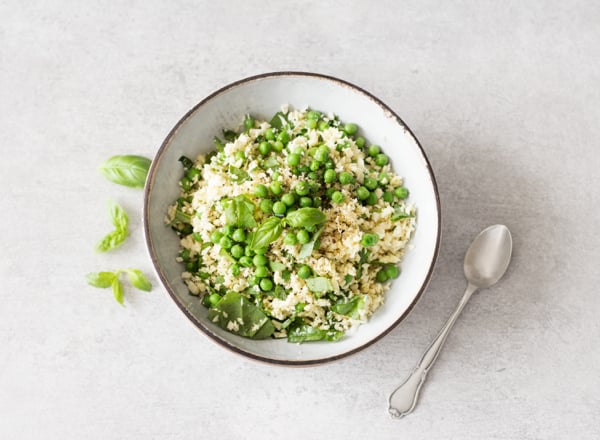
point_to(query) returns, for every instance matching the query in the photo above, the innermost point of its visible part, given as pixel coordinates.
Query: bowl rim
(164, 281)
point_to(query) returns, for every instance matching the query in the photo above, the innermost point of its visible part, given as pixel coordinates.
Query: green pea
(248, 122)
(329, 176)
(313, 114)
(235, 269)
(259, 260)
(323, 125)
(228, 230)
(264, 148)
(372, 199)
(346, 178)
(266, 284)
(388, 196)
(279, 208)
(313, 175)
(350, 128)
(261, 191)
(374, 150)
(277, 146)
(239, 155)
(283, 137)
(401, 192)
(215, 237)
(306, 202)
(261, 272)
(213, 299)
(266, 206)
(249, 252)
(269, 135)
(239, 235)
(275, 176)
(275, 187)
(302, 188)
(237, 251)
(371, 183)
(194, 173)
(303, 236)
(290, 239)
(225, 242)
(362, 193)
(293, 160)
(381, 276)
(360, 142)
(384, 179)
(315, 165)
(317, 202)
(288, 199)
(330, 192)
(304, 272)
(329, 165)
(322, 153)
(261, 251)
(337, 197)
(369, 240)
(245, 261)
(381, 159)
(311, 124)
(392, 271)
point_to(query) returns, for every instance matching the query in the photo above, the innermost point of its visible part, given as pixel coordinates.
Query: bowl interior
(263, 96)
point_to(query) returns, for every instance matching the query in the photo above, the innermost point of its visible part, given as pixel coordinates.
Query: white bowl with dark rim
(262, 96)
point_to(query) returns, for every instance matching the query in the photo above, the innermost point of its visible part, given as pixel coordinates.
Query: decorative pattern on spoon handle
(404, 399)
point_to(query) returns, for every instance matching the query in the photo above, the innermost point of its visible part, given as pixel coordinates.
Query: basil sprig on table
(104, 280)
(120, 221)
(129, 170)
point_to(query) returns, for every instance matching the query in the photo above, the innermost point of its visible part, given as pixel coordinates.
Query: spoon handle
(403, 400)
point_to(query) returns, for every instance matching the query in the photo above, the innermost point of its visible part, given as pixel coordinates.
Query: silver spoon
(485, 262)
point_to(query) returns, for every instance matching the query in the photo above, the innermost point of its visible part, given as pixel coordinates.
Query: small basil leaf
(267, 233)
(278, 120)
(305, 217)
(139, 280)
(300, 332)
(128, 170)
(229, 135)
(239, 212)
(118, 216)
(319, 284)
(400, 213)
(237, 315)
(349, 307)
(276, 266)
(100, 279)
(271, 162)
(111, 241)
(117, 288)
(186, 162)
(219, 145)
(237, 175)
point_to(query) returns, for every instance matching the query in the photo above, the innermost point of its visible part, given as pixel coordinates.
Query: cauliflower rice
(278, 245)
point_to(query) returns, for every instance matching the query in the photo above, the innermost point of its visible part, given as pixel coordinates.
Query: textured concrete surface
(503, 95)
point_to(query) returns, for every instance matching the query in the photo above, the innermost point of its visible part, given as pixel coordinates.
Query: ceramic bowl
(262, 96)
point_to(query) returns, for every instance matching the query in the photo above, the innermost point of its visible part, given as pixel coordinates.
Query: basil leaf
(219, 145)
(139, 280)
(239, 212)
(128, 170)
(319, 284)
(278, 120)
(400, 213)
(364, 258)
(237, 315)
(349, 307)
(307, 248)
(271, 162)
(237, 175)
(117, 288)
(305, 217)
(300, 332)
(267, 233)
(276, 266)
(113, 239)
(100, 279)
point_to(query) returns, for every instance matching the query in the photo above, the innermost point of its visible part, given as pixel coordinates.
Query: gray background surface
(505, 98)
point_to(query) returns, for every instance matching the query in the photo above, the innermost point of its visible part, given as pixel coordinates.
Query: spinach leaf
(305, 217)
(267, 233)
(301, 332)
(120, 221)
(319, 284)
(400, 213)
(239, 212)
(349, 307)
(229, 135)
(128, 170)
(237, 175)
(237, 315)
(307, 248)
(278, 120)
